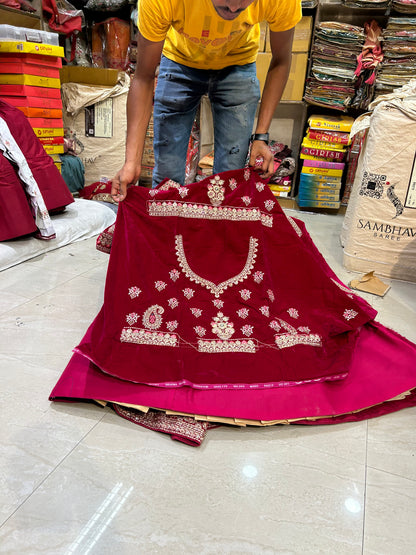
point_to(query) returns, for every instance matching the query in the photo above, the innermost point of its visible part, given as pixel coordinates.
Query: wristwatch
(260, 137)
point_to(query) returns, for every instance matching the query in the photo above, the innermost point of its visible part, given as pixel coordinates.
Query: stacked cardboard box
(323, 150)
(29, 80)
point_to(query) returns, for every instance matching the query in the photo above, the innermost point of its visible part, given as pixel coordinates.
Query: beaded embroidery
(247, 330)
(293, 313)
(197, 312)
(246, 200)
(199, 330)
(243, 313)
(207, 212)
(260, 186)
(174, 275)
(265, 310)
(295, 226)
(258, 276)
(216, 191)
(221, 326)
(132, 318)
(189, 293)
(152, 318)
(218, 303)
(217, 346)
(146, 337)
(172, 325)
(291, 339)
(269, 204)
(160, 285)
(270, 295)
(349, 313)
(134, 292)
(216, 289)
(232, 183)
(245, 294)
(173, 303)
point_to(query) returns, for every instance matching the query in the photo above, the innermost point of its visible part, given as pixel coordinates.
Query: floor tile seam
(31, 299)
(51, 472)
(391, 473)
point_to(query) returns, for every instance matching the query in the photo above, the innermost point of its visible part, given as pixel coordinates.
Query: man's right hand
(125, 178)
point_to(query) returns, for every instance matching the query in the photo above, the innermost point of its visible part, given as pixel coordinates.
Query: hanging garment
(36, 188)
(218, 305)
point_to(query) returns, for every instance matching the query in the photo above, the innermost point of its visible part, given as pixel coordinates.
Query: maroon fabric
(293, 300)
(55, 192)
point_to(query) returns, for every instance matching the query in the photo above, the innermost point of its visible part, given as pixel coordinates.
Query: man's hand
(259, 149)
(125, 178)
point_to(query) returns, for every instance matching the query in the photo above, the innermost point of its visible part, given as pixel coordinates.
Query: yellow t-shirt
(196, 36)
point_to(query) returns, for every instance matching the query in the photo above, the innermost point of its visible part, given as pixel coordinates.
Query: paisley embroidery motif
(152, 318)
(216, 289)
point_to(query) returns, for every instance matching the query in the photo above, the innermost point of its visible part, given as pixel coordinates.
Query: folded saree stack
(399, 46)
(334, 60)
(219, 309)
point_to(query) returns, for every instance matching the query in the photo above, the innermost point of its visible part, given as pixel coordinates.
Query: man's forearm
(139, 110)
(272, 93)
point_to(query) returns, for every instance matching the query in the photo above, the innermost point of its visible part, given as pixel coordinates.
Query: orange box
(34, 101)
(45, 122)
(33, 112)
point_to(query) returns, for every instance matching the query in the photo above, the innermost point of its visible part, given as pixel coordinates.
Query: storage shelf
(19, 18)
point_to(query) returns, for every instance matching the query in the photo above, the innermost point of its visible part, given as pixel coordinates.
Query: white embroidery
(173, 303)
(221, 326)
(246, 200)
(232, 183)
(243, 313)
(206, 212)
(304, 329)
(153, 192)
(218, 346)
(247, 174)
(216, 289)
(132, 318)
(218, 303)
(265, 310)
(199, 330)
(152, 318)
(189, 293)
(216, 190)
(349, 313)
(160, 285)
(269, 204)
(183, 191)
(275, 325)
(293, 313)
(146, 337)
(295, 226)
(247, 330)
(197, 312)
(134, 292)
(292, 339)
(258, 276)
(174, 275)
(172, 325)
(260, 186)
(270, 294)
(245, 294)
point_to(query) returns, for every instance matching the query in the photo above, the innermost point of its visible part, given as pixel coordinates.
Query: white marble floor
(76, 478)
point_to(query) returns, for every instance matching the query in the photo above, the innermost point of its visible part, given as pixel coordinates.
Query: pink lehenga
(219, 309)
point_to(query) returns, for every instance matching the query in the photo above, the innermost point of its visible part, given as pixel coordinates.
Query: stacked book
(29, 80)
(323, 151)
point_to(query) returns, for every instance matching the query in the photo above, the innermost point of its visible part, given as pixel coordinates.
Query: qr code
(372, 185)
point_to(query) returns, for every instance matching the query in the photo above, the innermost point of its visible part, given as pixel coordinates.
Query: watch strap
(260, 137)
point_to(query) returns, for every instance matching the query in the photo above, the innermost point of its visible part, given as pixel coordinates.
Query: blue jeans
(234, 94)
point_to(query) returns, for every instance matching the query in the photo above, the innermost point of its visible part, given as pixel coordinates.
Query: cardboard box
(48, 131)
(296, 81)
(53, 149)
(37, 112)
(301, 38)
(89, 75)
(45, 122)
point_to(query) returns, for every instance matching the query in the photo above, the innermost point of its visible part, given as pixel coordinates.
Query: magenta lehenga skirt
(218, 308)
